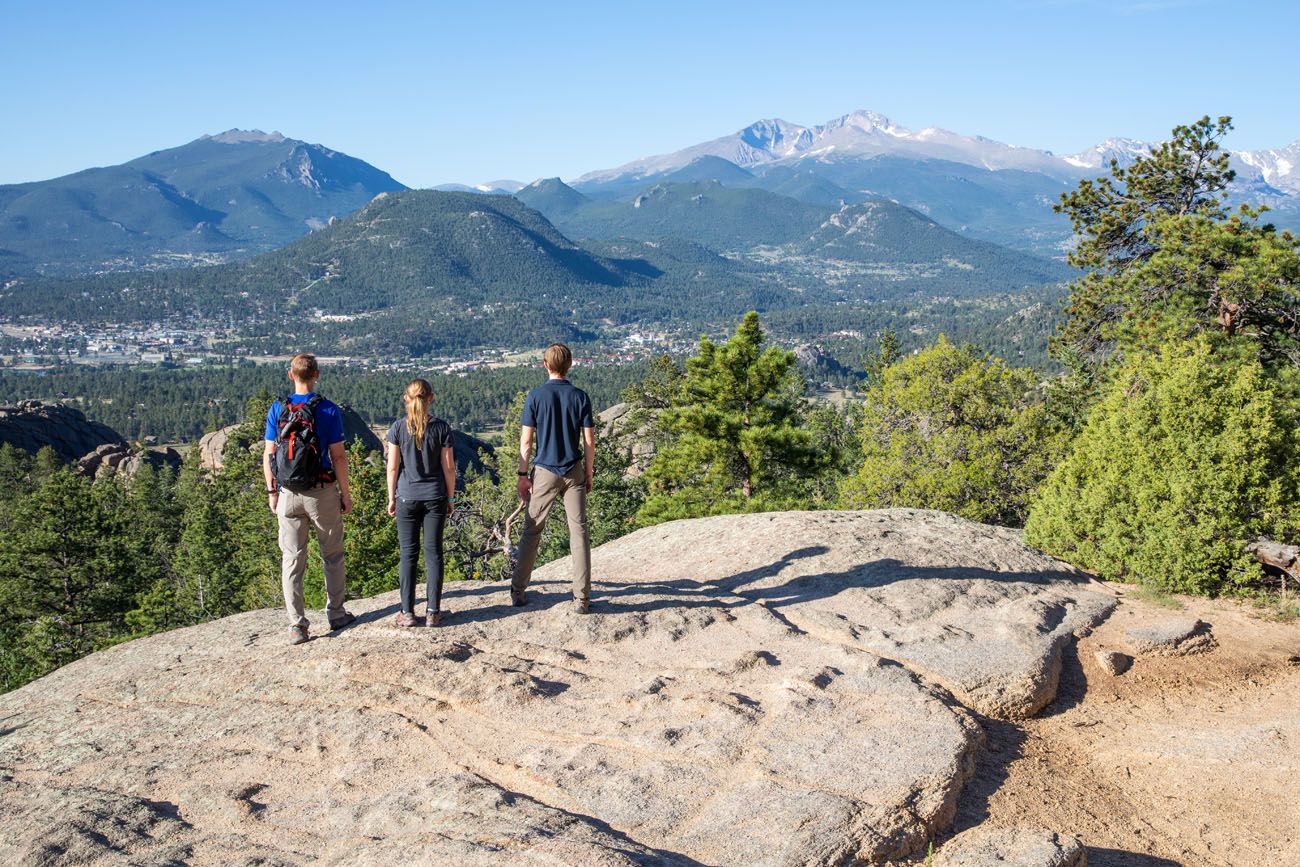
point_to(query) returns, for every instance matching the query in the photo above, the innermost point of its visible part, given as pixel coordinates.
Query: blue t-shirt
(558, 411)
(329, 423)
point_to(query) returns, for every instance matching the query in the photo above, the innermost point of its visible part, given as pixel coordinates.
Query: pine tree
(738, 444)
(370, 538)
(1164, 260)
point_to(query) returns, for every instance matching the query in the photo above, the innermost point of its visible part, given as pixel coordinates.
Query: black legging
(412, 517)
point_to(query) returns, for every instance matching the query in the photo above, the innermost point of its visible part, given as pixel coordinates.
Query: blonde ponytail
(419, 395)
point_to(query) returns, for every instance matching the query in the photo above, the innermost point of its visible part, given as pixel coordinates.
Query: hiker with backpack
(303, 460)
(421, 489)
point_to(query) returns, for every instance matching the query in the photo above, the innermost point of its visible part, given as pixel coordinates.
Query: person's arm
(339, 458)
(525, 487)
(449, 477)
(394, 467)
(589, 456)
(272, 489)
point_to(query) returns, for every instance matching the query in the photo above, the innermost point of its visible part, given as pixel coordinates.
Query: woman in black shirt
(421, 482)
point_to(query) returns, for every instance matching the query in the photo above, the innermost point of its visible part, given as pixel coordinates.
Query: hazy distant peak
(242, 136)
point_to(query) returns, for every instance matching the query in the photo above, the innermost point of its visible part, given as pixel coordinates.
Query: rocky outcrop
(31, 425)
(784, 689)
(1113, 662)
(1176, 637)
(119, 458)
(1012, 847)
(636, 440)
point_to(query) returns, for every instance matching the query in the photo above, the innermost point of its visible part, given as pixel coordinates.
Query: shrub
(952, 429)
(1188, 456)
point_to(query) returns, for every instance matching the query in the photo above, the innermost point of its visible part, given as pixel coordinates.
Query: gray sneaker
(298, 634)
(342, 620)
(581, 606)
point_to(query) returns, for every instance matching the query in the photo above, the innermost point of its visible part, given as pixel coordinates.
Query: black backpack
(299, 463)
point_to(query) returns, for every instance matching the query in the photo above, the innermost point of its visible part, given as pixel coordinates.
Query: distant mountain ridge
(220, 197)
(869, 134)
(974, 185)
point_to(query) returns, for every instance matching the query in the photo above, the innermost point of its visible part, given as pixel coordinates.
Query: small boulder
(1113, 662)
(1012, 847)
(1180, 637)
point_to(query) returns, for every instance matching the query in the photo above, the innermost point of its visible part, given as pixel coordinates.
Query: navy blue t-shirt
(329, 423)
(558, 411)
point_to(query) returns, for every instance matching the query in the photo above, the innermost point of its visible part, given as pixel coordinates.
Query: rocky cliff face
(771, 689)
(31, 425)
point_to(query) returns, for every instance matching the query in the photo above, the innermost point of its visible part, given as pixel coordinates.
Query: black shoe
(342, 620)
(518, 600)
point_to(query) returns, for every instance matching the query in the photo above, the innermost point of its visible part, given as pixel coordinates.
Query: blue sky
(435, 92)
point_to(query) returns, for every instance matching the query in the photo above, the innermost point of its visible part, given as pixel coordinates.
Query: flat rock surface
(1174, 637)
(1012, 847)
(783, 689)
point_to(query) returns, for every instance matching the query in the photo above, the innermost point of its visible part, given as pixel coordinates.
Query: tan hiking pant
(572, 487)
(321, 509)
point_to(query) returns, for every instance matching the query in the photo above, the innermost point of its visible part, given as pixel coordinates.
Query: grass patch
(1155, 596)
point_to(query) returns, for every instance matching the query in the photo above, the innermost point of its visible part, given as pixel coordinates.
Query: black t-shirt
(420, 477)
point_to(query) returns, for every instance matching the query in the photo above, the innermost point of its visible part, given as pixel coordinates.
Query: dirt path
(1182, 760)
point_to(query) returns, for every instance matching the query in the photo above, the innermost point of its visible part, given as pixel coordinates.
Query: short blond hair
(303, 367)
(558, 358)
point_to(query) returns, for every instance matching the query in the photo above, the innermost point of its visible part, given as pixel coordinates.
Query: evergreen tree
(887, 352)
(68, 574)
(1165, 261)
(951, 429)
(370, 537)
(738, 444)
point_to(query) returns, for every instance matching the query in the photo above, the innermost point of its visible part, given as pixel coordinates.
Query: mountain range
(419, 272)
(971, 184)
(220, 197)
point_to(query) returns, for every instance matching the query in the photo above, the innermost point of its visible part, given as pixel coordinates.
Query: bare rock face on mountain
(31, 425)
(783, 689)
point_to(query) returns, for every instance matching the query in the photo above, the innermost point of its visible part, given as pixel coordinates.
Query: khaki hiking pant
(547, 486)
(322, 509)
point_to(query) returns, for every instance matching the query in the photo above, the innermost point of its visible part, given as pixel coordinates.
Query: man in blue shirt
(321, 506)
(558, 415)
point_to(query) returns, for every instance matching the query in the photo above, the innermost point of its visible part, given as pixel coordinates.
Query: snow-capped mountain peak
(1098, 157)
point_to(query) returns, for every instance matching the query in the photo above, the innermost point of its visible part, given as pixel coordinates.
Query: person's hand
(525, 487)
(451, 507)
(392, 507)
(345, 501)
(273, 500)
(588, 484)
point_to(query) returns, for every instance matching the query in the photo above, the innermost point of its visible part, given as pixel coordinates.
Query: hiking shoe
(518, 600)
(404, 619)
(434, 618)
(342, 620)
(581, 606)
(298, 634)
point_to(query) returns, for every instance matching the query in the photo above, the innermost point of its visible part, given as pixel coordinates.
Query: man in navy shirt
(321, 507)
(558, 416)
